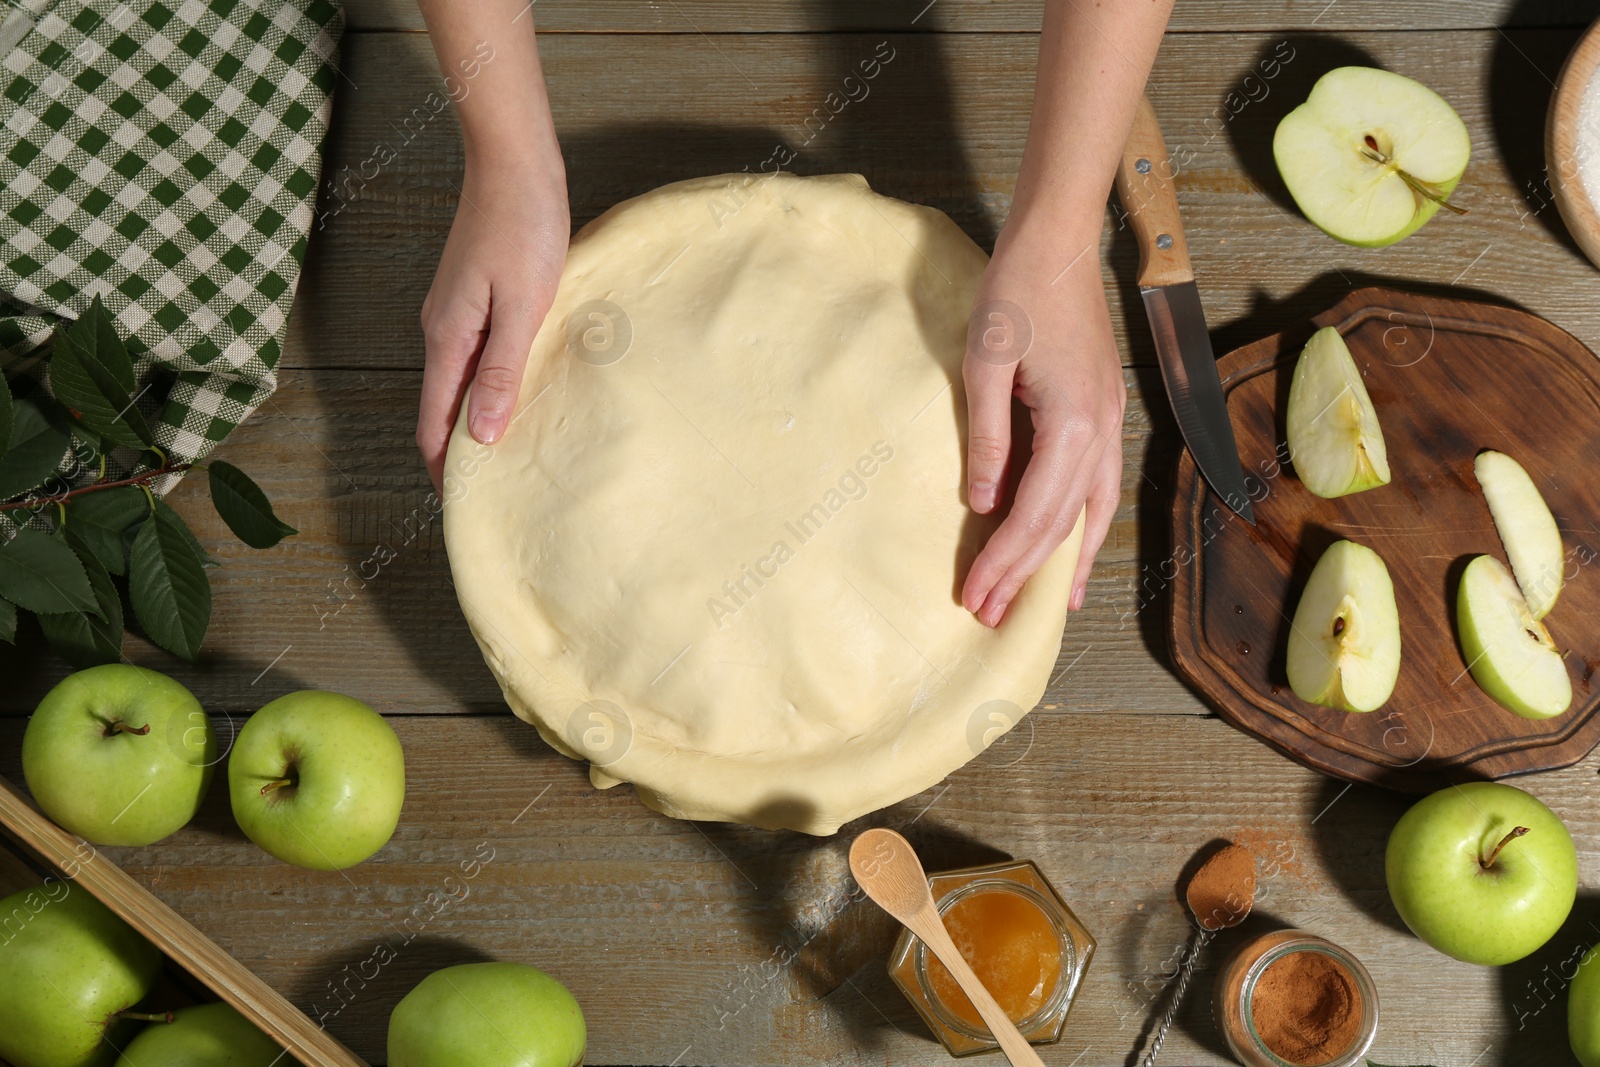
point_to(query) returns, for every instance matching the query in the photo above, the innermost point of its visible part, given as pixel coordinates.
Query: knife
(1166, 281)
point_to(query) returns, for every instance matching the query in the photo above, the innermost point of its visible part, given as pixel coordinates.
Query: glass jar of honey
(1020, 937)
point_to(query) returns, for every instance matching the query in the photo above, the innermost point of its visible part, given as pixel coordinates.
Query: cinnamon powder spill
(1222, 890)
(1306, 1008)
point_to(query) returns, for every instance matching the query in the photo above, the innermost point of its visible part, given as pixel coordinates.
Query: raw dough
(719, 551)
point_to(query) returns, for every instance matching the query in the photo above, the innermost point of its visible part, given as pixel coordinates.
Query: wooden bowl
(1575, 203)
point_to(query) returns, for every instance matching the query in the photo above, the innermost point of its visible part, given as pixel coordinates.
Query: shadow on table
(1522, 77)
(830, 944)
(1252, 126)
(1155, 989)
(1533, 991)
(354, 990)
(1350, 829)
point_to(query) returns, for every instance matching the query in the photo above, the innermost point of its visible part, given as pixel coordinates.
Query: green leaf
(102, 517)
(8, 621)
(41, 574)
(94, 334)
(94, 392)
(194, 542)
(5, 416)
(168, 585)
(245, 508)
(79, 638)
(36, 450)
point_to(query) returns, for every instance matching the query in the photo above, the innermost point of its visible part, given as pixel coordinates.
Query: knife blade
(1177, 318)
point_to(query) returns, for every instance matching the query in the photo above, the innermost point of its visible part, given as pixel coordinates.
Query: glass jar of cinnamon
(1025, 944)
(1291, 999)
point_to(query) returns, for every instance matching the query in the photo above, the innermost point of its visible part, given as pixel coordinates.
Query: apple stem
(145, 1016)
(1516, 832)
(281, 783)
(1426, 190)
(124, 728)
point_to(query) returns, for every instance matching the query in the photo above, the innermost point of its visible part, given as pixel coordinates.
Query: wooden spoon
(1219, 896)
(890, 873)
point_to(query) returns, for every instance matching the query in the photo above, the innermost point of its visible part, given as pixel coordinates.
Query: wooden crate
(33, 849)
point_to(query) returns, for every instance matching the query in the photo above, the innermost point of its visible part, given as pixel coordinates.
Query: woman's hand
(503, 259)
(1041, 332)
(495, 282)
(1045, 274)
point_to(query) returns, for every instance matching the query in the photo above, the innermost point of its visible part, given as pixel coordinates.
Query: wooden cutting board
(1449, 378)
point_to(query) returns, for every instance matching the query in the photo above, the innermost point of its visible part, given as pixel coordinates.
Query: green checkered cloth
(166, 157)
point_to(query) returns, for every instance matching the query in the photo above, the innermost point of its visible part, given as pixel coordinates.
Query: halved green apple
(1509, 652)
(1371, 155)
(1335, 442)
(1344, 643)
(1527, 529)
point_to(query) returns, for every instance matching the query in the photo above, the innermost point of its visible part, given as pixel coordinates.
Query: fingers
(1104, 497)
(988, 430)
(498, 379)
(454, 331)
(1053, 491)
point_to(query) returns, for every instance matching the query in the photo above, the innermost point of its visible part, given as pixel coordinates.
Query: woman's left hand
(1041, 332)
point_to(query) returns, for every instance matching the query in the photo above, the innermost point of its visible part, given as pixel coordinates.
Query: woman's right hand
(495, 282)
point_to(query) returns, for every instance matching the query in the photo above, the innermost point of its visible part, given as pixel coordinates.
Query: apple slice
(1509, 652)
(1344, 643)
(1371, 156)
(1335, 442)
(1527, 529)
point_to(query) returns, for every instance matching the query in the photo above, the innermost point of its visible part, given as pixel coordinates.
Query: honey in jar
(1013, 947)
(1021, 940)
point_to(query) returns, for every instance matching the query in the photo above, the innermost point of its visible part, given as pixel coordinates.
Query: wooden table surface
(707, 944)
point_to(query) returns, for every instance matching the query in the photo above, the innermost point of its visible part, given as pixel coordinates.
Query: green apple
(1371, 155)
(1335, 442)
(1344, 643)
(1509, 652)
(317, 779)
(119, 755)
(206, 1035)
(1583, 1010)
(1526, 527)
(487, 1015)
(1482, 872)
(68, 966)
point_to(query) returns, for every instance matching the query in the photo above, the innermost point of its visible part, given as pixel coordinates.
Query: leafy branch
(89, 544)
(35, 503)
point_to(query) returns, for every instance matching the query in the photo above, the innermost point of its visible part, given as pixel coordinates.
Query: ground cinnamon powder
(1222, 890)
(1307, 1008)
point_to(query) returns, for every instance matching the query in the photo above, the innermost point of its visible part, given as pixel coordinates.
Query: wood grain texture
(970, 16)
(1448, 378)
(944, 123)
(699, 944)
(707, 944)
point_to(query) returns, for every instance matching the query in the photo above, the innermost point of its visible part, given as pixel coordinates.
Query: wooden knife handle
(1145, 187)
